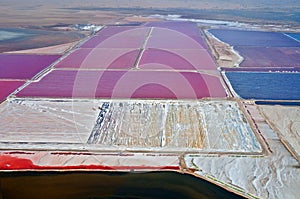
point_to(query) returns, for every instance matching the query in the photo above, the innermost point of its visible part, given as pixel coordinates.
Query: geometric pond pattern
(270, 66)
(159, 60)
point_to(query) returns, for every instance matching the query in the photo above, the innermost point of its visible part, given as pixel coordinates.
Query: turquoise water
(294, 35)
(5, 35)
(12, 39)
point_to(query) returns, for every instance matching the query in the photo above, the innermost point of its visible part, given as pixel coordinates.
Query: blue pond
(281, 103)
(254, 38)
(265, 86)
(294, 35)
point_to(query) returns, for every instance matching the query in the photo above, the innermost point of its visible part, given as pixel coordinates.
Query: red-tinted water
(100, 58)
(164, 38)
(7, 87)
(132, 38)
(269, 57)
(126, 84)
(17, 66)
(177, 59)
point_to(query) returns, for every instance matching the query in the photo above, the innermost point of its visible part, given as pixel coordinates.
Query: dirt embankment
(223, 53)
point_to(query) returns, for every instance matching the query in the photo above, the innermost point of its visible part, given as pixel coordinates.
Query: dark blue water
(262, 69)
(91, 185)
(265, 86)
(281, 103)
(254, 38)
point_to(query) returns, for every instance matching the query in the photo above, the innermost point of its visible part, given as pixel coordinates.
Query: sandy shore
(140, 19)
(57, 49)
(223, 53)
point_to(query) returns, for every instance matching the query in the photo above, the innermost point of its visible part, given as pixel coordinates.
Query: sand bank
(223, 53)
(57, 49)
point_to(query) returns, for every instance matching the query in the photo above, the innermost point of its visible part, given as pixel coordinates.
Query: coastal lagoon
(13, 39)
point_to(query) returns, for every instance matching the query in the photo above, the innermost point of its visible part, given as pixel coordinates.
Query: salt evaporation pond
(130, 31)
(269, 56)
(254, 38)
(187, 28)
(178, 46)
(294, 35)
(7, 87)
(114, 42)
(125, 84)
(265, 86)
(177, 59)
(100, 58)
(20, 66)
(132, 38)
(164, 38)
(262, 69)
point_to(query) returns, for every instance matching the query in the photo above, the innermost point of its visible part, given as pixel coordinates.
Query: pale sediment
(57, 49)
(285, 121)
(208, 126)
(273, 175)
(224, 54)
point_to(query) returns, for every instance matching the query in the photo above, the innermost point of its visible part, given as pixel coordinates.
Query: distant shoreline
(251, 15)
(18, 39)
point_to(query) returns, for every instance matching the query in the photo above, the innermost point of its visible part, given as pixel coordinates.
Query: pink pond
(128, 30)
(177, 59)
(7, 87)
(187, 28)
(125, 84)
(17, 66)
(164, 38)
(101, 58)
(132, 38)
(269, 57)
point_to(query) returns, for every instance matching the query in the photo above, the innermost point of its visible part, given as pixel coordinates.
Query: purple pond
(20, 66)
(175, 59)
(7, 87)
(187, 28)
(128, 38)
(101, 58)
(269, 57)
(164, 38)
